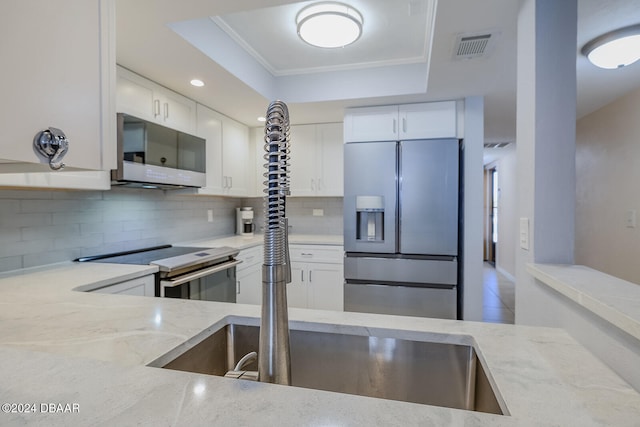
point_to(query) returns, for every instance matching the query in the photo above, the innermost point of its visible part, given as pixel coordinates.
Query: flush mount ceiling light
(615, 49)
(197, 83)
(329, 24)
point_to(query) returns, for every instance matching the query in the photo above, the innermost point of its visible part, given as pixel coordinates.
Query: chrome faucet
(274, 359)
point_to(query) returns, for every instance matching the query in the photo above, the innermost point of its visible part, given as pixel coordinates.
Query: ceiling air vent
(474, 45)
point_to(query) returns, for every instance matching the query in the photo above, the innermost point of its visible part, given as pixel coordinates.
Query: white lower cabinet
(142, 286)
(316, 273)
(317, 277)
(249, 276)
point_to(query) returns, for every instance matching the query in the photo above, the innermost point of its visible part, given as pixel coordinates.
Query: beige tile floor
(499, 297)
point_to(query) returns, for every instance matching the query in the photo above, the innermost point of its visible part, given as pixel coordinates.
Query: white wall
(608, 186)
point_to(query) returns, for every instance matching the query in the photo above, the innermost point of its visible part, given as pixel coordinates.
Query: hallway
(499, 297)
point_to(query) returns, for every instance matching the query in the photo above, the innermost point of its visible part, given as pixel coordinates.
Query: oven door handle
(198, 274)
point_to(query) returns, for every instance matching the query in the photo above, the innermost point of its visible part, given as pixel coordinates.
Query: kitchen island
(84, 355)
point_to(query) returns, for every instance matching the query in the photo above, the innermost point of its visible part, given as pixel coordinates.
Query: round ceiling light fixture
(615, 49)
(329, 24)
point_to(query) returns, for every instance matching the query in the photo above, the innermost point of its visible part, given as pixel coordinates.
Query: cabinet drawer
(250, 257)
(317, 253)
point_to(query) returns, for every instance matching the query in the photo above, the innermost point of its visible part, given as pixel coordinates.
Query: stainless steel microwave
(155, 156)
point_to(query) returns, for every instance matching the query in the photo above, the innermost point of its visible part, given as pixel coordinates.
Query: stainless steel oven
(185, 272)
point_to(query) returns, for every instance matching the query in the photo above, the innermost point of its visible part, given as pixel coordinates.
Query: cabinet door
(142, 286)
(331, 171)
(257, 140)
(58, 62)
(250, 285)
(304, 178)
(143, 98)
(235, 157)
(371, 124)
(209, 124)
(177, 111)
(135, 95)
(326, 287)
(428, 120)
(297, 289)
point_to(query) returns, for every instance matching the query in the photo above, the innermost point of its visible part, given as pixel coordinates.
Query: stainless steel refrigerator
(401, 227)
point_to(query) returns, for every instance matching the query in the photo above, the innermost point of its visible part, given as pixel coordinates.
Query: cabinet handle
(310, 271)
(156, 107)
(238, 287)
(404, 125)
(313, 185)
(306, 254)
(166, 110)
(302, 275)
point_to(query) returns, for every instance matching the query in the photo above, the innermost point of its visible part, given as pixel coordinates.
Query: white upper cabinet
(316, 160)
(58, 72)
(371, 124)
(229, 154)
(148, 100)
(429, 120)
(331, 170)
(303, 160)
(236, 158)
(401, 122)
(209, 127)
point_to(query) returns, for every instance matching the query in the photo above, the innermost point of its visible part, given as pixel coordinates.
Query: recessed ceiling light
(197, 83)
(329, 24)
(262, 119)
(615, 49)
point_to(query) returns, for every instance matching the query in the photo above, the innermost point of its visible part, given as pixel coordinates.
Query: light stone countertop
(612, 299)
(61, 346)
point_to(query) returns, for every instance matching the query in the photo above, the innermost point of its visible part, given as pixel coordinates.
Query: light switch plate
(631, 218)
(210, 215)
(318, 212)
(524, 233)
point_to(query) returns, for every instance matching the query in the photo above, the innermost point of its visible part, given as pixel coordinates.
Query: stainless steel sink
(431, 373)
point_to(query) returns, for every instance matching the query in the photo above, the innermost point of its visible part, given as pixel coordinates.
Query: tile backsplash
(300, 211)
(44, 227)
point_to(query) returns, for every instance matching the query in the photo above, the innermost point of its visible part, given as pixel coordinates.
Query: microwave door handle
(198, 274)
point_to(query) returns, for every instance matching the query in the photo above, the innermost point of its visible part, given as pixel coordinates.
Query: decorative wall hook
(52, 143)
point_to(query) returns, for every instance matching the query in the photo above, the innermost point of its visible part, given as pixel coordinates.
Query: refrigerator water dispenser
(370, 218)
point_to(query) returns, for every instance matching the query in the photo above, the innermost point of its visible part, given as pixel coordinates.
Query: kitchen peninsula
(68, 347)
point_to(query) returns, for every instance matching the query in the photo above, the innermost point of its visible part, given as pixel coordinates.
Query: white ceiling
(396, 60)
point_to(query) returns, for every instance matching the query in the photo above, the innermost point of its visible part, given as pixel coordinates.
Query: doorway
(491, 197)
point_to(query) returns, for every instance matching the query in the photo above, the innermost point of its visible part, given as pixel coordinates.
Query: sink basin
(432, 373)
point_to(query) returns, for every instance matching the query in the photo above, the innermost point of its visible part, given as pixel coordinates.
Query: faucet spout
(274, 359)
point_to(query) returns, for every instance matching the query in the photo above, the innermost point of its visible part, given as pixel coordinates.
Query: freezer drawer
(400, 300)
(403, 270)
